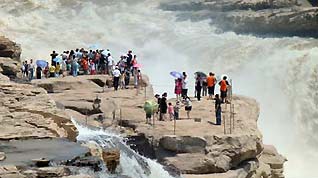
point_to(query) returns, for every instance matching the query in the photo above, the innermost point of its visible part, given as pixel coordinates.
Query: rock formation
(281, 17)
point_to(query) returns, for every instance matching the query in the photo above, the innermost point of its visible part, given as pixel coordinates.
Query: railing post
(224, 123)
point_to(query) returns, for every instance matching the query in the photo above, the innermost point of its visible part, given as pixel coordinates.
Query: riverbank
(34, 111)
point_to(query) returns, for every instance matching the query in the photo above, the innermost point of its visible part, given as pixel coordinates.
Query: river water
(281, 73)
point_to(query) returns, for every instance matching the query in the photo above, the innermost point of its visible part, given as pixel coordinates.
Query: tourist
(178, 88)
(85, 65)
(157, 97)
(163, 107)
(139, 81)
(170, 111)
(26, 69)
(184, 93)
(129, 59)
(38, 72)
(31, 70)
(57, 69)
(188, 106)
(63, 68)
(204, 87)
(135, 72)
(46, 70)
(176, 110)
(97, 60)
(198, 86)
(224, 84)
(211, 81)
(52, 71)
(218, 110)
(23, 69)
(122, 80)
(127, 78)
(92, 68)
(74, 66)
(53, 56)
(116, 75)
(134, 60)
(110, 62)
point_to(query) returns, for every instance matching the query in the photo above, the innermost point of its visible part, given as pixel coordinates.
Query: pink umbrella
(137, 65)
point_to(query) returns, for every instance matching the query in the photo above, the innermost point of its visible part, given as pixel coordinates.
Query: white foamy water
(131, 164)
(278, 72)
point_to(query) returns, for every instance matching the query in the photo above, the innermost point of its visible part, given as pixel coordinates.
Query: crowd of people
(204, 84)
(86, 62)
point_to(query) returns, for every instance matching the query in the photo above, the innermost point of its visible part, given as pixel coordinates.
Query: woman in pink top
(178, 88)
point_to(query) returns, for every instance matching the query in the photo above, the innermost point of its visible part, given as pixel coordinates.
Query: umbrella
(58, 59)
(41, 63)
(105, 52)
(137, 65)
(202, 74)
(176, 74)
(150, 107)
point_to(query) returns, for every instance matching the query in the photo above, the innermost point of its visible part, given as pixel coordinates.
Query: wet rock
(52, 172)
(183, 144)
(272, 162)
(41, 162)
(92, 162)
(111, 159)
(22, 152)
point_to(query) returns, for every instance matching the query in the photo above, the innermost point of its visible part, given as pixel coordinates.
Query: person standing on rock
(116, 74)
(38, 72)
(53, 56)
(26, 69)
(31, 70)
(188, 106)
(184, 92)
(224, 84)
(163, 107)
(198, 86)
(178, 88)
(211, 81)
(218, 109)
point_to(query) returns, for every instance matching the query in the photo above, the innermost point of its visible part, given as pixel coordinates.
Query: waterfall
(275, 71)
(131, 163)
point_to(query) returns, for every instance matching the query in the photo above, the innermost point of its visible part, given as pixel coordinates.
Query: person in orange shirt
(224, 84)
(211, 81)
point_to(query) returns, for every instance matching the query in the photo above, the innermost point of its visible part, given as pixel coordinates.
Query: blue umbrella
(41, 63)
(176, 74)
(58, 59)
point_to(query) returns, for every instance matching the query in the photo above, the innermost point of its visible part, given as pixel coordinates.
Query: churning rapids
(281, 73)
(131, 164)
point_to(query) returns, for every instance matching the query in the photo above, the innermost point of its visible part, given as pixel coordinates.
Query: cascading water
(279, 72)
(131, 164)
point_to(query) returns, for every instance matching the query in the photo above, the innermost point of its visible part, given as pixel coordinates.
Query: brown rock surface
(28, 112)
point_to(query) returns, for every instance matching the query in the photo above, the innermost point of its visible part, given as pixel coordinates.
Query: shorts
(188, 108)
(211, 90)
(148, 115)
(223, 94)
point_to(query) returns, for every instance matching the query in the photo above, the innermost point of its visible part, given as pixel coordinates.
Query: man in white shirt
(110, 62)
(184, 92)
(116, 74)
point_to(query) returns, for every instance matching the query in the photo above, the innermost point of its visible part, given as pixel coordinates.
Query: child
(188, 106)
(170, 111)
(176, 109)
(92, 67)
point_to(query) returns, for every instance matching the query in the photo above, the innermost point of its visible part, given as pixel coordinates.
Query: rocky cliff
(30, 120)
(278, 17)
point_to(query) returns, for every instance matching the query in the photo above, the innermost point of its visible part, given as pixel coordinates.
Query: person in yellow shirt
(52, 71)
(57, 69)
